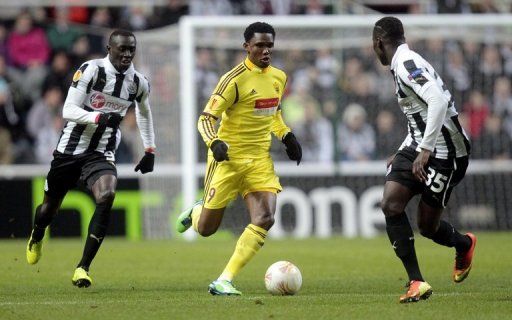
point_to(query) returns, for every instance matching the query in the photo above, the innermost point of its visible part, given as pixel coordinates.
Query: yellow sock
(251, 240)
(196, 213)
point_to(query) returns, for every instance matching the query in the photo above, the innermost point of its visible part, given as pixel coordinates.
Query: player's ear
(246, 46)
(108, 48)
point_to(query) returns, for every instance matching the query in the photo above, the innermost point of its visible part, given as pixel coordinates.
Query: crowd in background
(341, 107)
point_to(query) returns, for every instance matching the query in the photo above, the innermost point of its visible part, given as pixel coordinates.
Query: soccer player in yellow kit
(248, 99)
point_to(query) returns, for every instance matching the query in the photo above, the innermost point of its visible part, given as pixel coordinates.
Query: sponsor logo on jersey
(77, 75)
(213, 102)
(132, 88)
(417, 76)
(276, 87)
(264, 107)
(97, 101)
(253, 92)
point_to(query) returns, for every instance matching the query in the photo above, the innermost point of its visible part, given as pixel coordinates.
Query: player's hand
(293, 148)
(220, 150)
(146, 163)
(418, 166)
(110, 119)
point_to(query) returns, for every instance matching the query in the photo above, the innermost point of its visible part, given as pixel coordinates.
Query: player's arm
(224, 96)
(73, 110)
(283, 133)
(144, 120)
(424, 85)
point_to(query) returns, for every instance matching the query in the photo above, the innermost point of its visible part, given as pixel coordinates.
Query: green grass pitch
(342, 279)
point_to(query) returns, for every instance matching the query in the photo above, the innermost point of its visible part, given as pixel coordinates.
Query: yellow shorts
(225, 180)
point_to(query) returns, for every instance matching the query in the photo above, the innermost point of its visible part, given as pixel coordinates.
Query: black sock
(402, 239)
(446, 235)
(41, 221)
(97, 231)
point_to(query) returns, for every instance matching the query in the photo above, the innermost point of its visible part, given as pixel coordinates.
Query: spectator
(3, 41)
(134, 18)
(59, 75)
(477, 111)
(388, 138)
(328, 69)
(206, 77)
(8, 118)
(170, 14)
(315, 7)
(101, 20)
(502, 102)
(506, 53)
(28, 53)
(80, 52)
(44, 110)
(458, 78)
(210, 8)
(47, 139)
(494, 143)
(61, 34)
(356, 138)
(315, 134)
(450, 6)
(490, 69)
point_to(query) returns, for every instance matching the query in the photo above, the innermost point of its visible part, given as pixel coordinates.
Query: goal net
(334, 79)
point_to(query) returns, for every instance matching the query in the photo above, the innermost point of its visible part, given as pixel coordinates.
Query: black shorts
(442, 176)
(67, 171)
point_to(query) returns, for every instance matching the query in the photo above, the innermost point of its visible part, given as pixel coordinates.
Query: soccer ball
(283, 278)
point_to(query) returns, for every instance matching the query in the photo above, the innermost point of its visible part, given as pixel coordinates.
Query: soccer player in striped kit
(431, 161)
(100, 95)
(248, 99)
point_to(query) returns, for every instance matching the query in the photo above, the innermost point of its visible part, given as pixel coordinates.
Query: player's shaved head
(119, 32)
(258, 27)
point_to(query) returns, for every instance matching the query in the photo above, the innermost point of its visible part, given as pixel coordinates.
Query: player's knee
(205, 232)
(265, 220)
(106, 197)
(391, 207)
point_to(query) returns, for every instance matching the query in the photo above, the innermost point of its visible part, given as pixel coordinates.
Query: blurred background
(339, 101)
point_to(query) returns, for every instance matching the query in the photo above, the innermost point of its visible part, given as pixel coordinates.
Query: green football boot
(223, 288)
(184, 220)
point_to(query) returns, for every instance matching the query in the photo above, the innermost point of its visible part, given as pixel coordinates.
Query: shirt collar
(110, 67)
(399, 49)
(252, 67)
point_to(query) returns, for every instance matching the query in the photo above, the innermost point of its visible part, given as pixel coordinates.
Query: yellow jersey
(248, 99)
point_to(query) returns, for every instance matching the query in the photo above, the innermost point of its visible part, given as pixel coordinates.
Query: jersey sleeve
(224, 96)
(143, 115)
(424, 85)
(279, 128)
(415, 77)
(83, 80)
(84, 77)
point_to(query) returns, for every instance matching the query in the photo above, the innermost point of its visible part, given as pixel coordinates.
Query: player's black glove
(146, 163)
(110, 119)
(293, 148)
(220, 150)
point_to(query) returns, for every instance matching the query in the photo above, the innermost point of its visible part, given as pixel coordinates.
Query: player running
(248, 99)
(99, 96)
(431, 161)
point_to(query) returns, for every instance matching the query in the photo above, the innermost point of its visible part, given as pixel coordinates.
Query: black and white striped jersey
(432, 119)
(98, 87)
